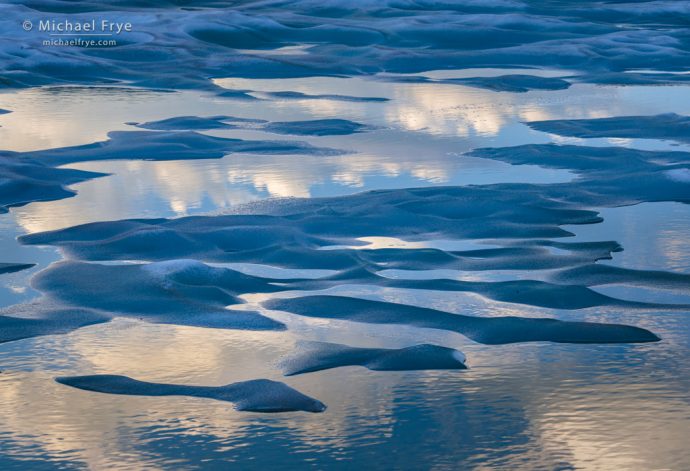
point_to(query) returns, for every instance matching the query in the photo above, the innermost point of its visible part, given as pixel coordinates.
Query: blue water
(255, 269)
(521, 406)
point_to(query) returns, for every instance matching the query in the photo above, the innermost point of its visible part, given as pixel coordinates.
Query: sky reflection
(529, 406)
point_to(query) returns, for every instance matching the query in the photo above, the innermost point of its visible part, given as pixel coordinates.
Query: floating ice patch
(32, 320)
(182, 292)
(32, 176)
(486, 330)
(170, 145)
(317, 356)
(14, 267)
(609, 176)
(191, 123)
(512, 83)
(23, 180)
(236, 94)
(317, 127)
(289, 95)
(663, 126)
(586, 161)
(258, 395)
(598, 275)
(634, 78)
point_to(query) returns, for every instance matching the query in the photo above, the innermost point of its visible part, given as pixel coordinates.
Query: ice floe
(170, 145)
(317, 356)
(24, 179)
(634, 78)
(597, 275)
(13, 267)
(487, 330)
(182, 292)
(608, 176)
(199, 123)
(663, 126)
(258, 395)
(290, 95)
(516, 83)
(33, 319)
(317, 127)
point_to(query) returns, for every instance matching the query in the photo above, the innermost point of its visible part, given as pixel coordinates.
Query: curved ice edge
(197, 123)
(291, 95)
(314, 127)
(14, 267)
(514, 83)
(317, 356)
(62, 320)
(670, 126)
(485, 330)
(258, 395)
(318, 127)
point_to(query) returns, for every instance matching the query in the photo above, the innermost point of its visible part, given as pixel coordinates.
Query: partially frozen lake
(540, 403)
(337, 235)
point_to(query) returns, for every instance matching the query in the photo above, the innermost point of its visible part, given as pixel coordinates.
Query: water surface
(529, 406)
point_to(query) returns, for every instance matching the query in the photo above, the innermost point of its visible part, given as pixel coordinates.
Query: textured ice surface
(24, 179)
(183, 292)
(662, 126)
(258, 395)
(35, 319)
(188, 292)
(609, 176)
(487, 330)
(317, 356)
(596, 275)
(179, 48)
(522, 403)
(518, 219)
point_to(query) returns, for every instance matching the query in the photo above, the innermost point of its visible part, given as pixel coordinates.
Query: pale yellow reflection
(89, 427)
(584, 426)
(447, 119)
(138, 189)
